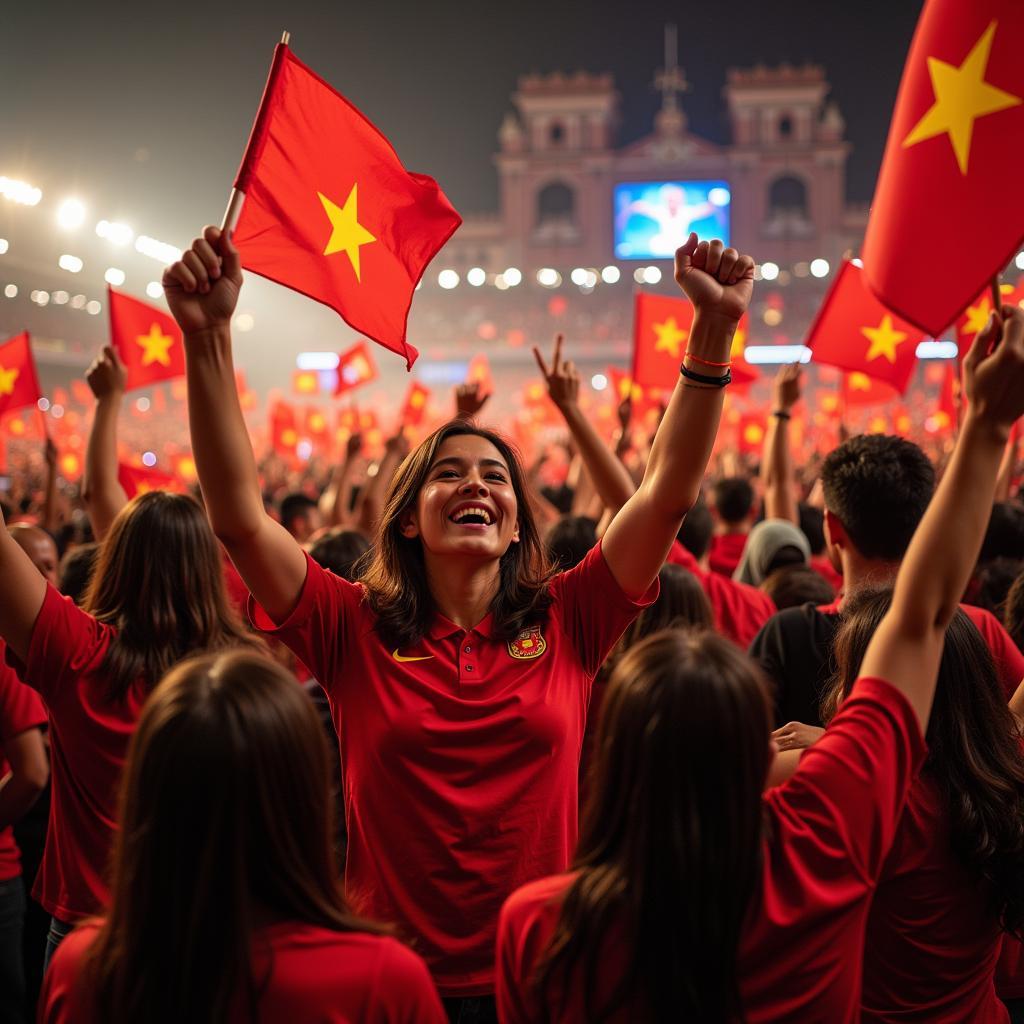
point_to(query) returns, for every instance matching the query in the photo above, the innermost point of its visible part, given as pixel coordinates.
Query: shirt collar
(442, 628)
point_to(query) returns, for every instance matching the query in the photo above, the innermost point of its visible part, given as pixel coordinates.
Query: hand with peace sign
(562, 379)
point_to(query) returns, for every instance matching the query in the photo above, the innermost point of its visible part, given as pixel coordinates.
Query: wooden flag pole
(997, 295)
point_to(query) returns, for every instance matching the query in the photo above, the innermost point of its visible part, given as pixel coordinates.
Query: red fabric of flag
(305, 382)
(147, 340)
(414, 408)
(284, 435)
(479, 372)
(355, 368)
(19, 382)
(946, 183)
(331, 212)
(141, 479)
(860, 389)
(661, 329)
(974, 318)
(751, 431)
(855, 332)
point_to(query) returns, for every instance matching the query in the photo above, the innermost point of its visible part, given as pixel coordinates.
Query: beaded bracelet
(706, 362)
(781, 414)
(702, 378)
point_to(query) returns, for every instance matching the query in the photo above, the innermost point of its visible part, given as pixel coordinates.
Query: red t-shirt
(827, 833)
(20, 710)
(932, 943)
(460, 755)
(726, 552)
(312, 974)
(88, 742)
(740, 609)
(826, 570)
(1010, 970)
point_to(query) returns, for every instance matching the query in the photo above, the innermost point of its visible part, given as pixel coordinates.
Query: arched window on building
(556, 134)
(556, 202)
(787, 196)
(785, 127)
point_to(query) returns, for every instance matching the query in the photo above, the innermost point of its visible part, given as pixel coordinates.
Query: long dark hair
(670, 850)
(225, 820)
(396, 578)
(159, 581)
(974, 749)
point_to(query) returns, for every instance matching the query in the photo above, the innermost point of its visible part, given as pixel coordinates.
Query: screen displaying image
(654, 218)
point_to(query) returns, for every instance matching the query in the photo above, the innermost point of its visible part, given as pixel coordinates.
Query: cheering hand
(788, 386)
(717, 280)
(202, 287)
(994, 372)
(562, 379)
(468, 400)
(107, 375)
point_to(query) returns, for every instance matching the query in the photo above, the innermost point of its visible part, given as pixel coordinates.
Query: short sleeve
(1008, 660)
(843, 804)
(66, 642)
(593, 609)
(522, 936)
(405, 992)
(20, 706)
(767, 649)
(61, 1000)
(316, 627)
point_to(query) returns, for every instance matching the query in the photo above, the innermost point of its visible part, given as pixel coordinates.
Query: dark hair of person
(340, 551)
(294, 506)
(681, 604)
(794, 585)
(396, 577)
(6, 510)
(670, 849)
(975, 756)
(993, 581)
(159, 582)
(225, 821)
(734, 499)
(76, 569)
(812, 523)
(569, 539)
(697, 529)
(1013, 611)
(878, 487)
(1004, 536)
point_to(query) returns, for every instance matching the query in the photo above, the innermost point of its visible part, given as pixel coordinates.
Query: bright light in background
(719, 196)
(610, 275)
(163, 252)
(71, 214)
(304, 449)
(148, 458)
(819, 268)
(154, 289)
(476, 276)
(77, 301)
(93, 308)
(501, 284)
(549, 277)
(317, 361)
(19, 191)
(448, 279)
(599, 382)
(142, 404)
(70, 263)
(579, 276)
(640, 275)
(937, 350)
(772, 317)
(44, 404)
(245, 322)
(762, 354)
(40, 298)
(60, 297)
(858, 262)
(11, 291)
(56, 411)
(1019, 261)
(114, 276)
(512, 276)
(4, 246)
(769, 271)
(652, 275)
(112, 231)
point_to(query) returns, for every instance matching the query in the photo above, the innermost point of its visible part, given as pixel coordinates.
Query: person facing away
(225, 904)
(876, 490)
(157, 595)
(694, 894)
(459, 668)
(735, 510)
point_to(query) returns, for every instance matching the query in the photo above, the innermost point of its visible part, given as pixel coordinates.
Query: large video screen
(654, 218)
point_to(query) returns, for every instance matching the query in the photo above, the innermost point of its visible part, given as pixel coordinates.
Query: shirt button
(469, 668)
(468, 649)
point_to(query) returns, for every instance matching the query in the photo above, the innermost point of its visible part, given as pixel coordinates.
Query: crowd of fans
(681, 738)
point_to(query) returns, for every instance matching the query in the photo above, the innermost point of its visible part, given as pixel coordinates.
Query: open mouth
(471, 515)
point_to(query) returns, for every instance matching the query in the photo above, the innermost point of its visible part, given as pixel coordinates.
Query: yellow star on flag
(416, 399)
(739, 340)
(977, 316)
(860, 381)
(8, 378)
(670, 337)
(961, 96)
(155, 346)
(884, 338)
(347, 234)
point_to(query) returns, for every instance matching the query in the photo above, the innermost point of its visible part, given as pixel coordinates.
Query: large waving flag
(855, 332)
(329, 209)
(19, 382)
(948, 212)
(147, 340)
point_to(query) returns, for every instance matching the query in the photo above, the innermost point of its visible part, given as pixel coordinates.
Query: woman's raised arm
(202, 291)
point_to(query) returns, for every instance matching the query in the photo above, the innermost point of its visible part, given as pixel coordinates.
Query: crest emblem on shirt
(529, 644)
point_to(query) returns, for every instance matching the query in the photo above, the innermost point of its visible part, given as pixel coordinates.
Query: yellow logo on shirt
(529, 644)
(401, 657)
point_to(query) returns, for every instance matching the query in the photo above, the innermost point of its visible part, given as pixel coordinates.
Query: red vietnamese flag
(141, 479)
(661, 329)
(860, 389)
(414, 408)
(19, 382)
(305, 382)
(743, 374)
(355, 368)
(855, 332)
(147, 340)
(479, 372)
(331, 212)
(957, 128)
(283, 433)
(975, 316)
(751, 433)
(948, 413)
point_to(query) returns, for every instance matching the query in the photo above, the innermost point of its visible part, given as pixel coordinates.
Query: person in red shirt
(459, 670)
(225, 903)
(735, 508)
(24, 770)
(694, 897)
(157, 595)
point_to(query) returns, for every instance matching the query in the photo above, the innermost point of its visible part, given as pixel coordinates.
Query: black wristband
(703, 378)
(781, 414)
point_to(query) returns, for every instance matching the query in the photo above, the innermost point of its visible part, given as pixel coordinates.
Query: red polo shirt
(460, 755)
(88, 742)
(305, 973)
(827, 833)
(740, 609)
(726, 552)
(20, 710)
